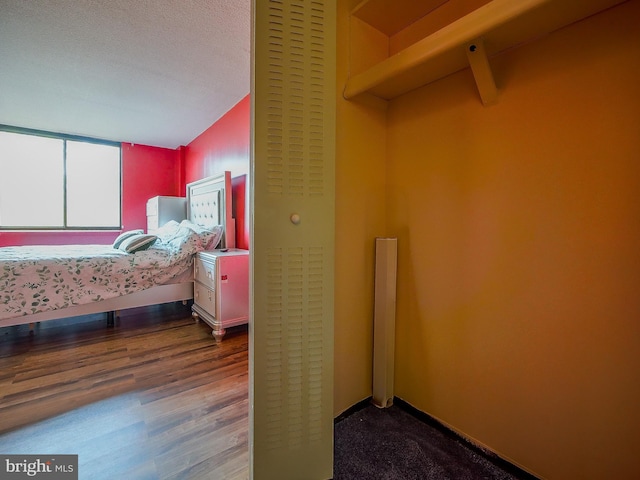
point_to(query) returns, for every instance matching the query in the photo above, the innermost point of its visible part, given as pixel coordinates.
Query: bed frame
(208, 204)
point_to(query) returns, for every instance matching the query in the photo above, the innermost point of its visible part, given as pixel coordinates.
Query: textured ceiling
(155, 72)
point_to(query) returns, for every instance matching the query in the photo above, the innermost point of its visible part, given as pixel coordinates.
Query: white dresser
(162, 209)
(221, 289)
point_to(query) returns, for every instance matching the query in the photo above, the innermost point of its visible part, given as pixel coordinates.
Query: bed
(53, 282)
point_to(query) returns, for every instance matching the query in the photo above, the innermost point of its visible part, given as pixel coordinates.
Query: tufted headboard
(209, 204)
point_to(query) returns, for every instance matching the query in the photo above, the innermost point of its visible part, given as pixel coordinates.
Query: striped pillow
(137, 243)
(124, 235)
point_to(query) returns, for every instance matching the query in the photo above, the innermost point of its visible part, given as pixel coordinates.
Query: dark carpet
(392, 444)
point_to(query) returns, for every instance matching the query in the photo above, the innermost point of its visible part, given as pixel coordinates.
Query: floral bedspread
(35, 279)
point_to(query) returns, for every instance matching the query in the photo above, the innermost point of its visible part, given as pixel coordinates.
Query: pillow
(168, 230)
(193, 226)
(209, 237)
(137, 243)
(216, 236)
(172, 236)
(124, 235)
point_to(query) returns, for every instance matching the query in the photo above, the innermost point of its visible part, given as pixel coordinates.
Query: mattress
(36, 279)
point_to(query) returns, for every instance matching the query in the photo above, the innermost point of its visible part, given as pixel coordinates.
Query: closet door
(292, 184)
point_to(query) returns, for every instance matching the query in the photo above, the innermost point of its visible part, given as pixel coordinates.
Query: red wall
(225, 146)
(146, 172)
(150, 171)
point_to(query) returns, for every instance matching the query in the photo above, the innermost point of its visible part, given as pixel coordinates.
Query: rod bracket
(479, 62)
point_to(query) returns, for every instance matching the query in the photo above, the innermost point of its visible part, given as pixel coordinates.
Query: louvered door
(292, 177)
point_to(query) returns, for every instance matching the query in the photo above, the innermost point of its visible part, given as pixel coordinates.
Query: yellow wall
(519, 247)
(360, 217)
(519, 251)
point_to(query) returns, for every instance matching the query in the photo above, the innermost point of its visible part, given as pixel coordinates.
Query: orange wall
(225, 146)
(519, 264)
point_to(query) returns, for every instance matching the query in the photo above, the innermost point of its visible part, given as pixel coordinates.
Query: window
(50, 181)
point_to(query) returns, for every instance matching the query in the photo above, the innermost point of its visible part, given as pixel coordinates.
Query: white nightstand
(221, 289)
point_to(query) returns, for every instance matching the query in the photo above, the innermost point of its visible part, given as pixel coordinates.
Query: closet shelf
(501, 24)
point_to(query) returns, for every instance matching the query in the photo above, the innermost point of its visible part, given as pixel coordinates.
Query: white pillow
(209, 237)
(168, 230)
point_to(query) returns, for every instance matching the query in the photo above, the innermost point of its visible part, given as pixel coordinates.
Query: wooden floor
(152, 398)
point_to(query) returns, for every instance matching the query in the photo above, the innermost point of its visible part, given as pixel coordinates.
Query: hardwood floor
(152, 398)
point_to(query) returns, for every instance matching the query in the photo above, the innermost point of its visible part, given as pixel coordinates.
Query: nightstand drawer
(205, 272)
(221, 289)
(205, 297)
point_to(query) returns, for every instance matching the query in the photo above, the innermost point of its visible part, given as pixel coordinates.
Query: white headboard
(209, 204)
